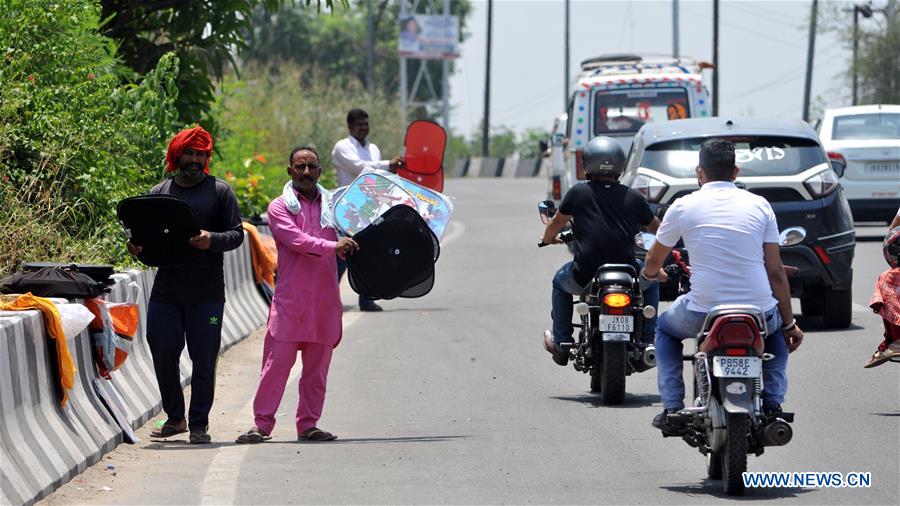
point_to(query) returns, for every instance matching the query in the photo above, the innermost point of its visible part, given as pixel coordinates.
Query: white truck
(615, 95)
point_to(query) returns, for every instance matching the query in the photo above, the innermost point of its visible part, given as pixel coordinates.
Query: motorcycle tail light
(736, 352)
(556, 188)
(822, 183)
(735, 331)
(651, 188)
(617, 299)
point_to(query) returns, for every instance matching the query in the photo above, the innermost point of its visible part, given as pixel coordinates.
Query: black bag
(53, 282)
(98, 272)
(396, 256)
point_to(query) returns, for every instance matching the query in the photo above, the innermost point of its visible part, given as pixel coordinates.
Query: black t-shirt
(202, 279)
(606, 217)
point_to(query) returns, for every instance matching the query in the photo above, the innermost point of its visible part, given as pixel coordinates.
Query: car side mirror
(543, 146)
(644, 240)
(838, 166)
(546, 209)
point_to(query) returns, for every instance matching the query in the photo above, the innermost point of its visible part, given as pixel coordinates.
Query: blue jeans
(565, 286)
(678, 323)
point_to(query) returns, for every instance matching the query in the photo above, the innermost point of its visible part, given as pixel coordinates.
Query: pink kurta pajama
(305, 314)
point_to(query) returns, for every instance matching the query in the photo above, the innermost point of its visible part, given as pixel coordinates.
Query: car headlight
(822, 183)
(651, 188)
(791, 236)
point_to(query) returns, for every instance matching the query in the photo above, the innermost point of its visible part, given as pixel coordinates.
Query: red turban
(195, 138)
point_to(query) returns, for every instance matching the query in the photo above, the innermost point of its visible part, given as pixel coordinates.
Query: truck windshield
(625, 111)
(756, 156)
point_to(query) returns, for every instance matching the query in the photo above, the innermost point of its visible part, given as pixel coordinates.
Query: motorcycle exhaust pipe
(649, 357)
(777, 433)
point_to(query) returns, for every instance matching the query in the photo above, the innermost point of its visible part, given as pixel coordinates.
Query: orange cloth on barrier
(263, 255)
(195, 138)
(53, 324)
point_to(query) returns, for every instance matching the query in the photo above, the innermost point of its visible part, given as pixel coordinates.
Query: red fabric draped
(195, 138)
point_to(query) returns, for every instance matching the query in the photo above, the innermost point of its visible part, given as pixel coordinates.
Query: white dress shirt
(349, 158)
(723, 228)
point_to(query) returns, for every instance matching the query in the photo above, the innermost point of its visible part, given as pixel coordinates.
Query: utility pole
(866, 11)
(715, 93)
(566, 60)
(445, 80)
(404, 94)
(676, 52)
(370, 60)
(486, 123)
(810, 53)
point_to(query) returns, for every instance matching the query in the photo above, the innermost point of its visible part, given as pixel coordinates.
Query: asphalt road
(451, 399)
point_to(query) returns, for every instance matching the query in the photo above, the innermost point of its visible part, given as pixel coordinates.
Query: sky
(762, 55)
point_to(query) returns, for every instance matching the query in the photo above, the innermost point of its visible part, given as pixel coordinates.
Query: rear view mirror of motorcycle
(546, 209)
(644, 240)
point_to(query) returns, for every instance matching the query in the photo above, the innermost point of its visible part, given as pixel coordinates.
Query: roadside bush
(265, 115)
(74, 140)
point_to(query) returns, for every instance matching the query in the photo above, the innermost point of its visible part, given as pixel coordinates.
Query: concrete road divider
(43, 445)
(509, 167)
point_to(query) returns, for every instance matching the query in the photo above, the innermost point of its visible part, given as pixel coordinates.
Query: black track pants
(168, 327)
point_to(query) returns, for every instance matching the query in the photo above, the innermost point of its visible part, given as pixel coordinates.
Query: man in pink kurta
(306, 310)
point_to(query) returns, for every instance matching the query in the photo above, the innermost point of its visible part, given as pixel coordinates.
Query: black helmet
(603, 156)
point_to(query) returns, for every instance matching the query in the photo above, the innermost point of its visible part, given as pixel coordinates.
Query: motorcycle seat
(618, 267)
(606, 278)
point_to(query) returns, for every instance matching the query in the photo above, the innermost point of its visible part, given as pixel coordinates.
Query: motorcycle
(726, 421)
(608, 344)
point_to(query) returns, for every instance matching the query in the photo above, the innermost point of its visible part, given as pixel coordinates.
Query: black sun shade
(162, 225)
(396, 256)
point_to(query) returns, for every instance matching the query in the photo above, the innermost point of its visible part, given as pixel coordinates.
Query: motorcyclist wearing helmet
(886, 302)
(607, 215)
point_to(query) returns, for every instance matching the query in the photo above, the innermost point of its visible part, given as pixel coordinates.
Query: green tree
(878, 64)
(201, 33)
(336, 43)
(264, 118)
(527, 146)
(73, 139)
(878, 56)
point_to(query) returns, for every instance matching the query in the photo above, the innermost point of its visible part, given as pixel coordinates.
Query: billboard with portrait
(429, 37)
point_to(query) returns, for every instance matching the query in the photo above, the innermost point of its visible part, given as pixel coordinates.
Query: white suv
(867, 139)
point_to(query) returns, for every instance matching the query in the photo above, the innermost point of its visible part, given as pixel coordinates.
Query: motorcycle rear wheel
(734, 457)
(612, 375)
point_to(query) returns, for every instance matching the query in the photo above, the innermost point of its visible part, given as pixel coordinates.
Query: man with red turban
(188, 300)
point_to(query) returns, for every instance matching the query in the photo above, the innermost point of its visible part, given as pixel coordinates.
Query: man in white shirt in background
(350, 157)
(732, 237)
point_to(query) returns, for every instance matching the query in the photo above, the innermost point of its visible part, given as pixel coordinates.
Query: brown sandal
(169, 429)
(252, 436)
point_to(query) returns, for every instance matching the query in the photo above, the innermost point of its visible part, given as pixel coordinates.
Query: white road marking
(456, 229)
(222, 476)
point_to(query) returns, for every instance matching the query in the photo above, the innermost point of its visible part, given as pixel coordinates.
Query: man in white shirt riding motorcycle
(732, 238)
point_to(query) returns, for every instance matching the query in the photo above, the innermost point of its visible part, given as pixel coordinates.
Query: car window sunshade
(368, 197)
(396, 256)
(424, 147)
(162, 225)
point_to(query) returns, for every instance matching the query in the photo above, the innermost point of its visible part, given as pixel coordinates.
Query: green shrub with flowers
(264, 115)
(74, 139)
